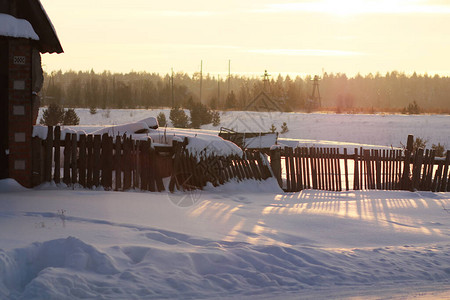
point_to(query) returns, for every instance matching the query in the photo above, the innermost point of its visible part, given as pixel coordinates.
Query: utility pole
(218, 91)
(173, 101)
(265, 79)
(201, 79)
(229, 75)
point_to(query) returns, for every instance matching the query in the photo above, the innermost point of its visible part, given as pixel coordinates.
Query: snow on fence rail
(122, 163)
(328, 169)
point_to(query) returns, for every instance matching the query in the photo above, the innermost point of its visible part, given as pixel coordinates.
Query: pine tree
(71, 117)
(284, 128)
(162, 121)
(273, 129)
(53, 115)
(215, 118)
(200, 115)
(92, 110)
(179, 118)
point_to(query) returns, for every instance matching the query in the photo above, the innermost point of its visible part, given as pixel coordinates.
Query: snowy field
(308, 129)
(244, 240)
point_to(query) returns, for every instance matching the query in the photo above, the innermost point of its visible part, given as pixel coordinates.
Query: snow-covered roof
(17, 28)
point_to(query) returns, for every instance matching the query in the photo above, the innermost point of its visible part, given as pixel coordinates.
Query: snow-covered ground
(245, 240)
(238, 241)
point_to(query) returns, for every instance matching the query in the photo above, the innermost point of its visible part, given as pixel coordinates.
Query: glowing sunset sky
(298, 37)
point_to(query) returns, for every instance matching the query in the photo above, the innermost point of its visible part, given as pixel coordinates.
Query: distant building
(25, 32)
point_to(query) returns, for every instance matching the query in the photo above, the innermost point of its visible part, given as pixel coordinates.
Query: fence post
(356, 171)
(406, 181)
(417, 166)
(48, 155)
(36, 143)
(275, 163)
(57, 144)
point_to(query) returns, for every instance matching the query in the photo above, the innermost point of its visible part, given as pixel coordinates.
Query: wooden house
(25, 32)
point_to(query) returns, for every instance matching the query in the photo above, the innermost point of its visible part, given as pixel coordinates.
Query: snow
(18, 28)
(246, 240)
(315, 129)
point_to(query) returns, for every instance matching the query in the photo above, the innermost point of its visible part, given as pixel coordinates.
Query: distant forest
(392, 92)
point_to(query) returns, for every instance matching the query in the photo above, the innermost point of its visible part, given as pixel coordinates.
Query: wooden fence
(194, 172)
(118, 163)
(121, 163)
(328, 169)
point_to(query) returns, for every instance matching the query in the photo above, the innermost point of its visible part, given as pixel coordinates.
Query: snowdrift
(240, 240)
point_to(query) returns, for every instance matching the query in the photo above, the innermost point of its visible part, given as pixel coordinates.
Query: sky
(284, 37)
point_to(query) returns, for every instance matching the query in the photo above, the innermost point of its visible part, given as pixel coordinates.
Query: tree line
(391, 92)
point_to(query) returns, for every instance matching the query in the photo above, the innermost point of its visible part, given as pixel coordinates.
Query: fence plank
(127, 165)
(322, 184)
(143, 163)
(368, 166)
(299, 169)
(136, 163)
(118, 162)
(67, 158)
(445, 181)
(306, 163)
(430, 170)
(314, 169)
(158, 178)
(286, 169)
(73, 160)
(327, 169)
(57, 158)
(293, 170)
(356, 172)
(437, 179)
(399, 170)
(378, 169)
(97, 160)
(107, 161)
(338, 167)
(346, 170)
(362, 170)
(89, 160)
(417, 166)
(173, 183)
(82, 161)
(406, 181)
(151, 167)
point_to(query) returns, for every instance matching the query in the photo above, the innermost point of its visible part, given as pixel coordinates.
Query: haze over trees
(391, 92)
